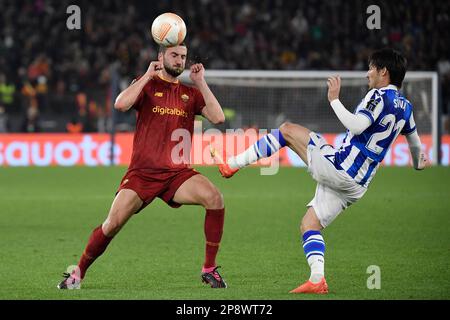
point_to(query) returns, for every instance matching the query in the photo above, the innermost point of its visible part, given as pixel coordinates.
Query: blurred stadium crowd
(55, 79)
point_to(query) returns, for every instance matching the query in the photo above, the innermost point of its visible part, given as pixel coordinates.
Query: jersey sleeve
(372, 105)
(410, 126)
(199, 102)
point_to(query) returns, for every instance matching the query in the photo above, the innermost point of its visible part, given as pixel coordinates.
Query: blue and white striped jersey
(390, 114)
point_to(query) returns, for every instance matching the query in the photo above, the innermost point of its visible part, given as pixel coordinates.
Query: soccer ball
(168, 30)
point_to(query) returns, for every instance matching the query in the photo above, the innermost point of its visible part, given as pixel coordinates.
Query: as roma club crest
(185, 98)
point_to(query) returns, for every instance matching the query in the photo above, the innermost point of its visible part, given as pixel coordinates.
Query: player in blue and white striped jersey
(343, 174)
(389, 114)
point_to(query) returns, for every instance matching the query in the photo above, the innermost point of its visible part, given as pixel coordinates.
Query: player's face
(377, 77)
(373, 76)
(174, 60)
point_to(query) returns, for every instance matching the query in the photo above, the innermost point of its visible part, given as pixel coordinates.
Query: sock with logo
(314, 248)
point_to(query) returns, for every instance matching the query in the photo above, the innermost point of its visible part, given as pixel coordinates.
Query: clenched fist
(197, 73)
(154, 68)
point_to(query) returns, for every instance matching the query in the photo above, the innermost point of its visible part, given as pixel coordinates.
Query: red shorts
(163, 185)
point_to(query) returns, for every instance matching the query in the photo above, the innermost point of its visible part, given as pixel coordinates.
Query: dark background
(51, 76)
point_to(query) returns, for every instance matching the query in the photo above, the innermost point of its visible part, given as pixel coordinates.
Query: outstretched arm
(355, 123)
(128, 97)
(415, 147)
(212, 110)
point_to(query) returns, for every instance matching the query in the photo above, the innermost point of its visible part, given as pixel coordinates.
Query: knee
(213, 199)
(111, 227)
(308, 224)
(286, 129)
(303, 226)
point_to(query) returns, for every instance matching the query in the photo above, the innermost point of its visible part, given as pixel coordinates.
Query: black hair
(162, 49)
(393, 61)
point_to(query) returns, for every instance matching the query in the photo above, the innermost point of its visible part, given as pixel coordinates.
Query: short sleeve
(410, 126)
(372, 105)
(199, 102)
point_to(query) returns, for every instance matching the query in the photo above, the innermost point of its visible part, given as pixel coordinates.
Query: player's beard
(174, 72)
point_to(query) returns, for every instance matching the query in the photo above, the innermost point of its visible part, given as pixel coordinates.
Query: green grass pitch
(401, 225)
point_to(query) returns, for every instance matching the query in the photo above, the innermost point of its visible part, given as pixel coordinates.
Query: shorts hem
(168, 197)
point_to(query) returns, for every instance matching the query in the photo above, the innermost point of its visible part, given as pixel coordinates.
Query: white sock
(314, 248)
(263, 148)
(243, 159)
(317, 265)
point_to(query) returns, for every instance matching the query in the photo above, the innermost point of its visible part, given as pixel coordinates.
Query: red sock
(213, 231)
(96, 246)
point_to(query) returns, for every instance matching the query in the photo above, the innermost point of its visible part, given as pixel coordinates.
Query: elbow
(120, 106)
(356, 131)
(216, 117)
(219, 120)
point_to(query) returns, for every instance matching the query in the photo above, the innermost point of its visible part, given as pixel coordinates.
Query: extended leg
(297, 138)
(289, 134)
(199, 190)
(124, 206)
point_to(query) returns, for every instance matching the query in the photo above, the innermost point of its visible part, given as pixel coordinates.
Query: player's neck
(163, 75)
(381, 85)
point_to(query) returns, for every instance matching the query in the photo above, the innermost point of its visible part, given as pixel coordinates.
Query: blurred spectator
(74, 126)
(38, 68)
(31, 120)
(4, 122)
(42, 93)
(29, 95)
(7, 91)
(62, 100)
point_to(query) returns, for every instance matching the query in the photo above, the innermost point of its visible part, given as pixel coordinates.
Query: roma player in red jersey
(163, 105)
